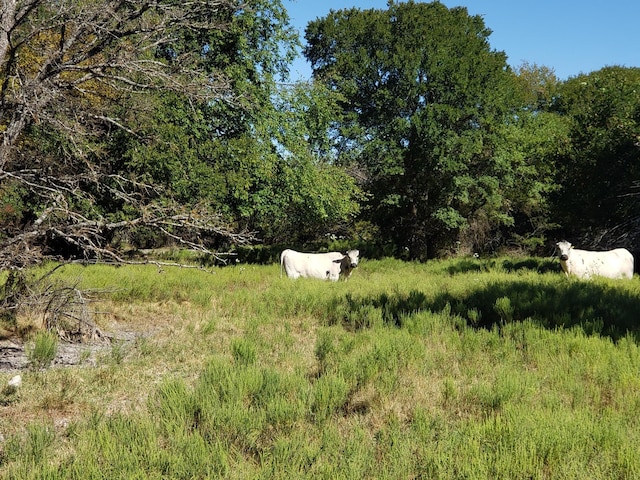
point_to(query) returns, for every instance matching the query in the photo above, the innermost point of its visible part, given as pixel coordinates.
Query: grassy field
(498, 368)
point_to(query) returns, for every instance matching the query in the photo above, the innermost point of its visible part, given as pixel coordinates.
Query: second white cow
(585, 264)
(324, 266)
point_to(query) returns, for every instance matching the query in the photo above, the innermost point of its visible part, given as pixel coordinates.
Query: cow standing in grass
(585, 264)
(324, 266)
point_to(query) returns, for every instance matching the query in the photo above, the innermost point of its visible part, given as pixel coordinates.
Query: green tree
(314, 195)
(530, 145)
(425, 102)
(209, 153)
(265, 165)
(115, 115)
(599, 176)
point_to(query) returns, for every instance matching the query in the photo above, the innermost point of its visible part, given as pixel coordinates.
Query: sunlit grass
(468, 368)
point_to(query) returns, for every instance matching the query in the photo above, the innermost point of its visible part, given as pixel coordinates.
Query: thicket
(171, 127)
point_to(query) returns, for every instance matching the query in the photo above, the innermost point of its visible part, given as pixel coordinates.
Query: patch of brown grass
(152, 339)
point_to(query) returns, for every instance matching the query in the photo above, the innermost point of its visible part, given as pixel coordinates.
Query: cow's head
(565, 248)
(352, 257)
(348, 262)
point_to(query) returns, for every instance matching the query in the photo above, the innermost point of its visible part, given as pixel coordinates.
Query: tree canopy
(426, 101)
(136, 123)
(457, 151)
(126, 121)
(600, 174)
(68, 69)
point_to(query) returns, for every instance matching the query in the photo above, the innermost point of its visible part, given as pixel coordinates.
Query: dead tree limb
(60, 63)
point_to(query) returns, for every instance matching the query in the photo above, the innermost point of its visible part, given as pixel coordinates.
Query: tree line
(141, 123)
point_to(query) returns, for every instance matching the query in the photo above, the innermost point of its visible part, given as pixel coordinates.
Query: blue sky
(569, 36)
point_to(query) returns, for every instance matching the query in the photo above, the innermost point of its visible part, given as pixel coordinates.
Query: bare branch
(83, 42)
(58, 68)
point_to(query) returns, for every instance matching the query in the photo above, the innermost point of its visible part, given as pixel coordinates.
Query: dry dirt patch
(14, 357)
(117, 327)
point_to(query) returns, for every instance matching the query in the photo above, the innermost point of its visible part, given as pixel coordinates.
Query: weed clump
(42, 350)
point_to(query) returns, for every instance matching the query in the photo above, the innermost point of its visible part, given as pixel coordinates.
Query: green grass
(498, 368)
(42, 350)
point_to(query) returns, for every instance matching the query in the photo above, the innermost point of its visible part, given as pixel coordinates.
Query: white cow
(325, 266)
(616, 263)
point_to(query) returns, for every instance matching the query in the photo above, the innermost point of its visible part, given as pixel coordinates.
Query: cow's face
(353, 257)
(565, 249)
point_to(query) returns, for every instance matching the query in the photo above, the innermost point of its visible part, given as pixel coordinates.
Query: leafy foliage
(312, 194)
(425, 101)
(139, 123)
(179, 131)
(68, 69)
(599, 175)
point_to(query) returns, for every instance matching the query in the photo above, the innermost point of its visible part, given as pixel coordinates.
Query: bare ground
(14, 357)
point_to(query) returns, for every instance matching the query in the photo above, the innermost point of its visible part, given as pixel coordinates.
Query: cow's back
(310, 265)
(625, 262)
(616, 263)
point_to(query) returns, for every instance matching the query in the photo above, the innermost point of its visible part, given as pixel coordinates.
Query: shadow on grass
(597, 308)
(539, 265)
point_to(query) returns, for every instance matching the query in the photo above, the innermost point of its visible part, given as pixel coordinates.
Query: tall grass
(452, 369)
(41, 351)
